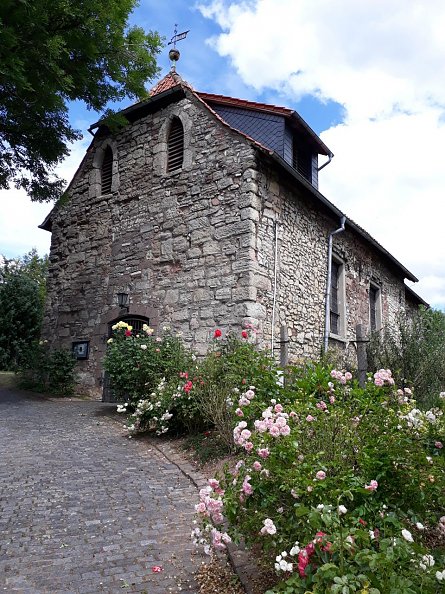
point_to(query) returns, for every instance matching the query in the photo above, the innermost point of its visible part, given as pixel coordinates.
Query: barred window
(175, 146)
(107, 171)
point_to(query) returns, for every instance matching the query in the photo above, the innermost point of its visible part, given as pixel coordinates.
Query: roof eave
(337, 212)
(46, 225)
(323, 149)
(416, 297)
(141, 105)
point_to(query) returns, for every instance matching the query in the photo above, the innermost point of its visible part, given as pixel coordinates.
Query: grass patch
(8, 379)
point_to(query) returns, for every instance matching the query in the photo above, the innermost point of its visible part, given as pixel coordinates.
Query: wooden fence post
(284, 346)
(362, 357)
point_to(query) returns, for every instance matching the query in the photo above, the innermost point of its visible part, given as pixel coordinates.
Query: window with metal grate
(175, 145)
(107, 171)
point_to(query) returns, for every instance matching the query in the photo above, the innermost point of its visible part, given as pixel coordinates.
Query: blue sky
(367, 76)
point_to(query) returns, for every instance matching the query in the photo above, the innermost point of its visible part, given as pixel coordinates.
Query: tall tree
(53, 52)
(22, 296)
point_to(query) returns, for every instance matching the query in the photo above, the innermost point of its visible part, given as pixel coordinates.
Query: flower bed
(342, 487)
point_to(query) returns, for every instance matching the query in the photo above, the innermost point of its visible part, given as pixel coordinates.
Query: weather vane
(174, 54)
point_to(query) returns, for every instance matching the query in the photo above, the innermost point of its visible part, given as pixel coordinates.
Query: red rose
(218, 333)
(127, 332)
(244, 334)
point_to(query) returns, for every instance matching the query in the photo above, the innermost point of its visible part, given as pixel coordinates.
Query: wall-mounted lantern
(123, 300)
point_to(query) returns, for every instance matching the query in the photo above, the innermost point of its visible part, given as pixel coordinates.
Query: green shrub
(47, 370)
(414, 349)
(229, 366)
(22, 296)
(137, 363)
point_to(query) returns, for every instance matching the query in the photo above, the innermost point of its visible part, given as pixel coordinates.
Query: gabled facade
(205, 211)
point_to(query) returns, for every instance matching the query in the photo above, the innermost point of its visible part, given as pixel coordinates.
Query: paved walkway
(83, 509)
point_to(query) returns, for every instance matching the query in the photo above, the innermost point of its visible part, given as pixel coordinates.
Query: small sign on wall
(80, 349)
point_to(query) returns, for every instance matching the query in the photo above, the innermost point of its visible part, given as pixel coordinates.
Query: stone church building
(204, 212)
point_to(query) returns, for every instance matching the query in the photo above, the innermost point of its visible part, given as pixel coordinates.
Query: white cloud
(384, 61)
(20, 217)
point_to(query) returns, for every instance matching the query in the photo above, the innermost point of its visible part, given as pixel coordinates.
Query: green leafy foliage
(229, 365)
(414, 349)
(22, 296)
(137, 363)
(47, 371)
(53, 52)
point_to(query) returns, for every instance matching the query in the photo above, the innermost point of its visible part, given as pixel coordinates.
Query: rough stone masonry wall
(302, 269)
(181, 244)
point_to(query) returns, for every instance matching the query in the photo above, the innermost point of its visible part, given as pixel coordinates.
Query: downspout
(327, 162)
(274, 301)
(327, 320)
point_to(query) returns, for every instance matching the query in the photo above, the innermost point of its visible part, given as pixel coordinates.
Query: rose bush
(341, 486)
(136, 362)
(166, 388)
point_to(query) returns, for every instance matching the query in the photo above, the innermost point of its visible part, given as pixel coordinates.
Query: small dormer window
(107, 171)
(175, 146)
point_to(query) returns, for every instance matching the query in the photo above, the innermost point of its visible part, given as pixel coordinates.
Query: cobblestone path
(83, 509)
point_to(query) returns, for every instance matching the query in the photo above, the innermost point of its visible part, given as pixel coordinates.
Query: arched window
(107, 171)
(175, 146)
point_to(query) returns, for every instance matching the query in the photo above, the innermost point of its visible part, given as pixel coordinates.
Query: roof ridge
(255, 104)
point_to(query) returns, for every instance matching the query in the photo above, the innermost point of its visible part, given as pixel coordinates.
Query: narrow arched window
(107, 171)
(175, 145)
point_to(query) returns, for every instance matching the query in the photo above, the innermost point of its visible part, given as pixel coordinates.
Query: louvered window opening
(301, 161)
(107, 171)
(334, 313)
(175, 146)
(373, 296)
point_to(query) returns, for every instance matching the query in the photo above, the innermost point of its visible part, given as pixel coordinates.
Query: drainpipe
(327, 162)
(275, 267)
(328, 286)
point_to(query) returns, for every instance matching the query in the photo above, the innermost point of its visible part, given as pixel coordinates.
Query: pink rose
(438, 445)
(310, 418)
(321, 475)
(257, 466)
(372, 486)
(274, 431)
(263, 452)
